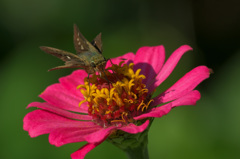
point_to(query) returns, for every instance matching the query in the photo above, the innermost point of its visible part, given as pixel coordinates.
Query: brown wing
(81, 44)
(71, 60)
(97, 42)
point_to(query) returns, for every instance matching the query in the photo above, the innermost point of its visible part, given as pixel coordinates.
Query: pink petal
(150, 60)
(40, 122)
(63, 136)
(189, 99)
(73, 80)
(81, 153)
(128, 56)
(58, 111)
(184, 85)
(99, 135)
(58, 96)
(170, 65)
(156, 112)
(133, 129)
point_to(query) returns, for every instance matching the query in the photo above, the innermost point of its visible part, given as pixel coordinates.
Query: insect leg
(114, 73)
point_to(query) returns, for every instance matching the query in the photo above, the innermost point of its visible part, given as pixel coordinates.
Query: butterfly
(88, 55)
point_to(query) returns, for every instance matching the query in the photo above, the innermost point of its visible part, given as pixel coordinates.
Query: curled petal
(156, 112)
(184, 85)
(59, 111)
(169, 66)
(133, 129)
(150, 60)
(189, 99)
(81, 153)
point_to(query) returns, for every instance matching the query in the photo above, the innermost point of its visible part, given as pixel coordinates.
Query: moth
(88, 55)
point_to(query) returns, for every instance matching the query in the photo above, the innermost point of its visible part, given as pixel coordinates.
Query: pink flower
(73, 112)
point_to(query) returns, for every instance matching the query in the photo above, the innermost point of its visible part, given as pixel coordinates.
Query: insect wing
(71, 60)
(97, 42)
(81, 44)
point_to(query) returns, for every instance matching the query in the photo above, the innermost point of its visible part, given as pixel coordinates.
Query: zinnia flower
(114, 106)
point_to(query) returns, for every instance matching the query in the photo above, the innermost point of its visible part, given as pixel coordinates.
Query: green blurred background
(210, 130)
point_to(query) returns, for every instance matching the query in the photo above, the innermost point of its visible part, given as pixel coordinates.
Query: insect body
(88, 55)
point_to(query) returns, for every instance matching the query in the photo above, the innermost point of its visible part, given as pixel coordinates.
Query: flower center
(115, 96)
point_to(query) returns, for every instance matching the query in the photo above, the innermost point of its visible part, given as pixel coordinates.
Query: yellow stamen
(134, 95)
(147, 105)
(128, 101)
(119, 100)
(81, 102)
(140, 105)
(123, 120)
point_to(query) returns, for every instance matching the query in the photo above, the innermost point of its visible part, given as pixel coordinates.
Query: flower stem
(140, 152)
(134, 145)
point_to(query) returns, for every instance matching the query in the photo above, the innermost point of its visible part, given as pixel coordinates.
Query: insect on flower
(120, 112)
(89, 55)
